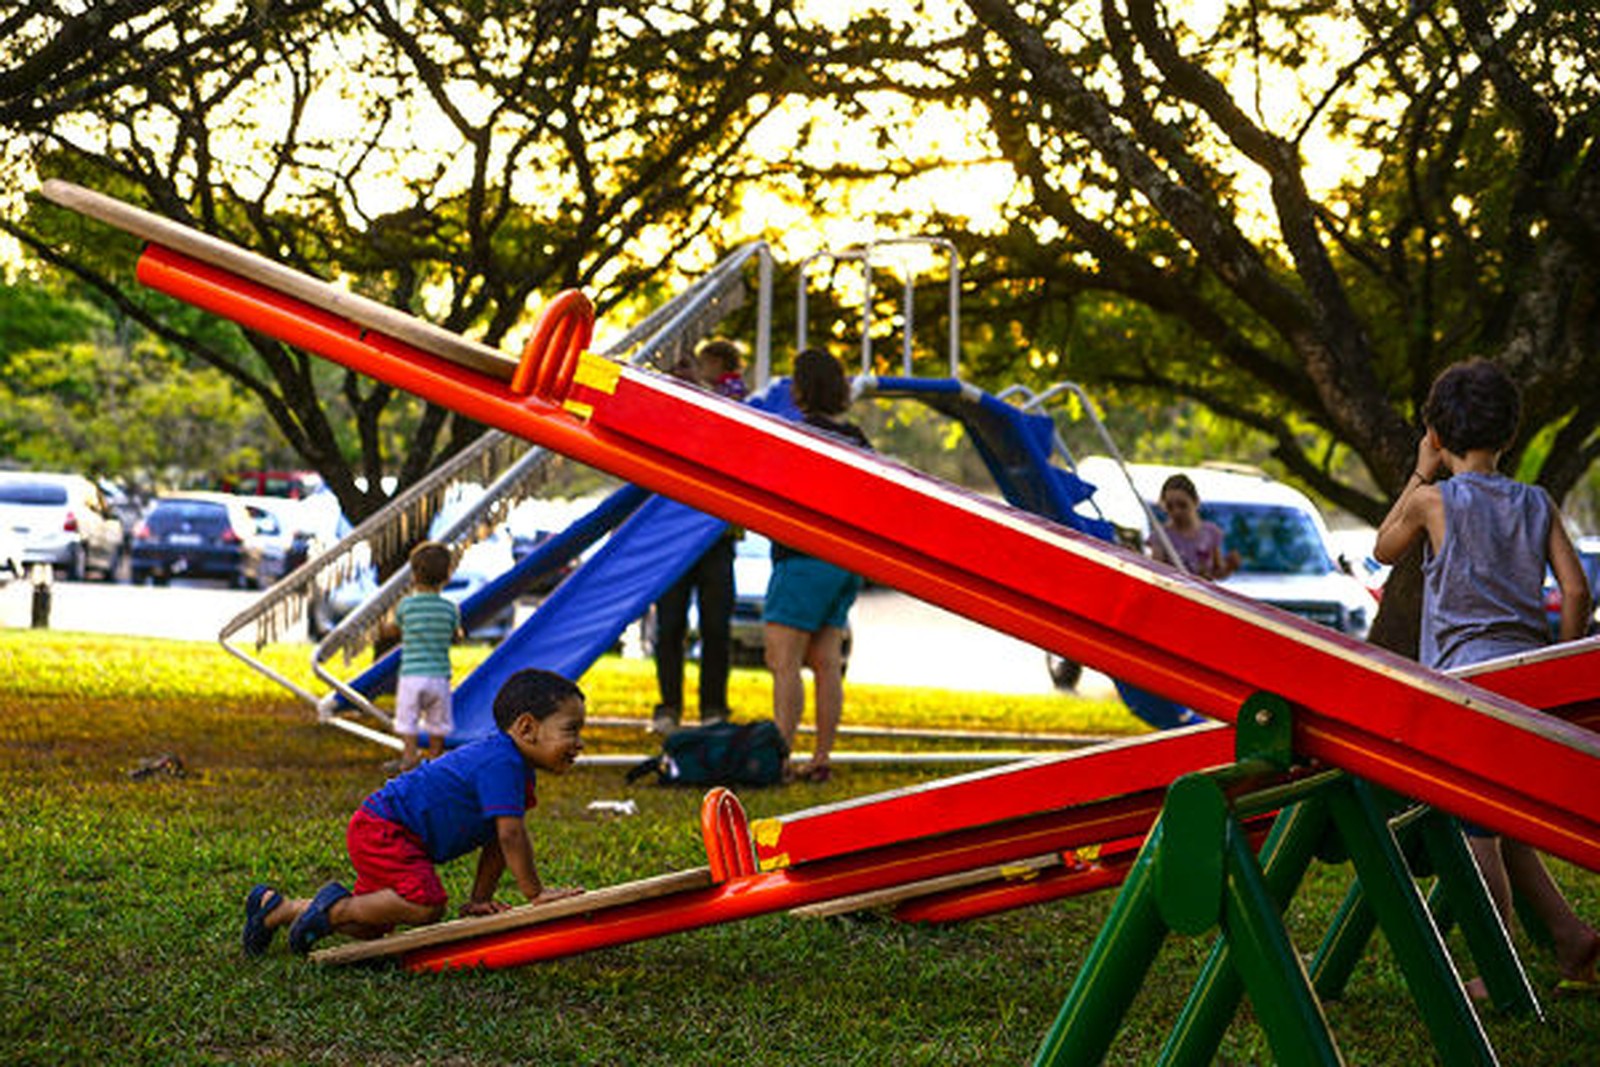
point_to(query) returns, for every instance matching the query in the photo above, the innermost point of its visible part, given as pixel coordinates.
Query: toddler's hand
(483, 907)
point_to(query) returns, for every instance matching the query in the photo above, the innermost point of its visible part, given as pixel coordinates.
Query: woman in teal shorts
(808, 599)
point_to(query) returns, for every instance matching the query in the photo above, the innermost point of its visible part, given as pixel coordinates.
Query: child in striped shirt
(428, 622)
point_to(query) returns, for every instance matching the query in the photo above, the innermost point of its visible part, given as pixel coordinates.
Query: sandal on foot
(1577, 989)
(1585, 986)
(817, 773)
(313, 923)
(262, 901)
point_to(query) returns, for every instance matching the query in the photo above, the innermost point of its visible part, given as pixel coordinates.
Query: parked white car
(1286, 556)
(288, 533)
(11, 565)
(62, 520)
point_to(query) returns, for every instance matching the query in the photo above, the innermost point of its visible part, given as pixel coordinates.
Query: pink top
(1199, 549)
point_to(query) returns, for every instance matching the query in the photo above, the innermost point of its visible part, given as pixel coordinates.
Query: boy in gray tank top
(1486, 542)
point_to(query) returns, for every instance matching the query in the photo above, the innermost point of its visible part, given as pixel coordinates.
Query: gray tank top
(1483, 593)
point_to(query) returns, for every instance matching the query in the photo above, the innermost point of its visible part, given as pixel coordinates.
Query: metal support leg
(1273, 977)
(1343, 945)
(1467, 901)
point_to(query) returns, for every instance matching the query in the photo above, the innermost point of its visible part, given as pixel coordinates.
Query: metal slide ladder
(872, 256)
(515, 472)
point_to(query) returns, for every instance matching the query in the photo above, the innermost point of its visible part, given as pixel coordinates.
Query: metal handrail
(290, 598)
(863, 254)
(1037, 401)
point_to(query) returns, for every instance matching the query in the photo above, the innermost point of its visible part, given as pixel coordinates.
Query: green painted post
(1467, 902)
(1408, 926)
(1351, 931)
(1285, 856)
(1277, 985)
(1343, 944)
(1109, 980)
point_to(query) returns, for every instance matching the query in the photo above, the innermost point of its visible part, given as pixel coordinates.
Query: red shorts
(388, 856)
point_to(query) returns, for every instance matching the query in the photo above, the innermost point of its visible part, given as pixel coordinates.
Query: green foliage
(33, 317)
(120, 904)
(77, 396)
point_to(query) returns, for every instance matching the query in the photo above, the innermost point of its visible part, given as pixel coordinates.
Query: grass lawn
(120, 901)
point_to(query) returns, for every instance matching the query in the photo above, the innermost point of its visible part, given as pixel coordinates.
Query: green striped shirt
(428, 624)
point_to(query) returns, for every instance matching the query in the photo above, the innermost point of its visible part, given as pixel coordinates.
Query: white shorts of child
(422, 705)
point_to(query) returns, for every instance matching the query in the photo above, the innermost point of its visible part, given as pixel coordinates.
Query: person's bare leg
(1492, 865)
(367, 916)
(408, 752)
(825, 656)
(372, 914)
(435, 746)
(1486, 852)
(785, 650)
(1576, 942)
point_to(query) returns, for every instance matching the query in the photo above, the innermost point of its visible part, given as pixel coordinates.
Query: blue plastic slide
(586, 614)
(1017, 447)
(550, 555)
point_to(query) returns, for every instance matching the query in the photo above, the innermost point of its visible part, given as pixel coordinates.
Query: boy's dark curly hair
(1473, 404)
(532, 692)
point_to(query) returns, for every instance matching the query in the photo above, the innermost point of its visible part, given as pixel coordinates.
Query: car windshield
(36, 493)
(1270, 539)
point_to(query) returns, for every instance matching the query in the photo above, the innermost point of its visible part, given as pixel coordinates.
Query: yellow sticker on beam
(1018, 872)
(579, 408)
(597, 373)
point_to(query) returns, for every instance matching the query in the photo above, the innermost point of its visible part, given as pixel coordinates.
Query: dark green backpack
(724, 753)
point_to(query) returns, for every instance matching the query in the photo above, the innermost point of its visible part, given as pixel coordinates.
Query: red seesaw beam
(1107, 798)
(1564, 679)
(1441, 741)
(467, 943)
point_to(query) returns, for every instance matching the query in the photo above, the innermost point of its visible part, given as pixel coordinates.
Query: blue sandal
(313, 923)
(262, 901)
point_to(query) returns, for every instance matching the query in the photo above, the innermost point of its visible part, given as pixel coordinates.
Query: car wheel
(1064, 673)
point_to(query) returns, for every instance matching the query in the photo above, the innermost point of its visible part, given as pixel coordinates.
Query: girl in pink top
(1198, 543)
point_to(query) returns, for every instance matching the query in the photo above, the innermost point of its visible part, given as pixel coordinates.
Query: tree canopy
(1293, 215)
(461, 163)
(1287, 216)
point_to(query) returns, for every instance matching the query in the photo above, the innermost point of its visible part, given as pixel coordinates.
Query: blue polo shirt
(451, 803)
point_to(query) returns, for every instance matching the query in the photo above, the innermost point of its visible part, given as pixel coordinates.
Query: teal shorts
(809, 594)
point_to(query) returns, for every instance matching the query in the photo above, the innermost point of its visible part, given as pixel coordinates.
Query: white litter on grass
(614, 807)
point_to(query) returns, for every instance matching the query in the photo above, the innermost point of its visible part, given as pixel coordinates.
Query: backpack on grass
(724, 753)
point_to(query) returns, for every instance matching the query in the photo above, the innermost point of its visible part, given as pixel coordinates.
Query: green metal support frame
(1197, 873)
(1432, 841)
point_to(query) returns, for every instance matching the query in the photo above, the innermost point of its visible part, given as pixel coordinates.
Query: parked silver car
(62, 520)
